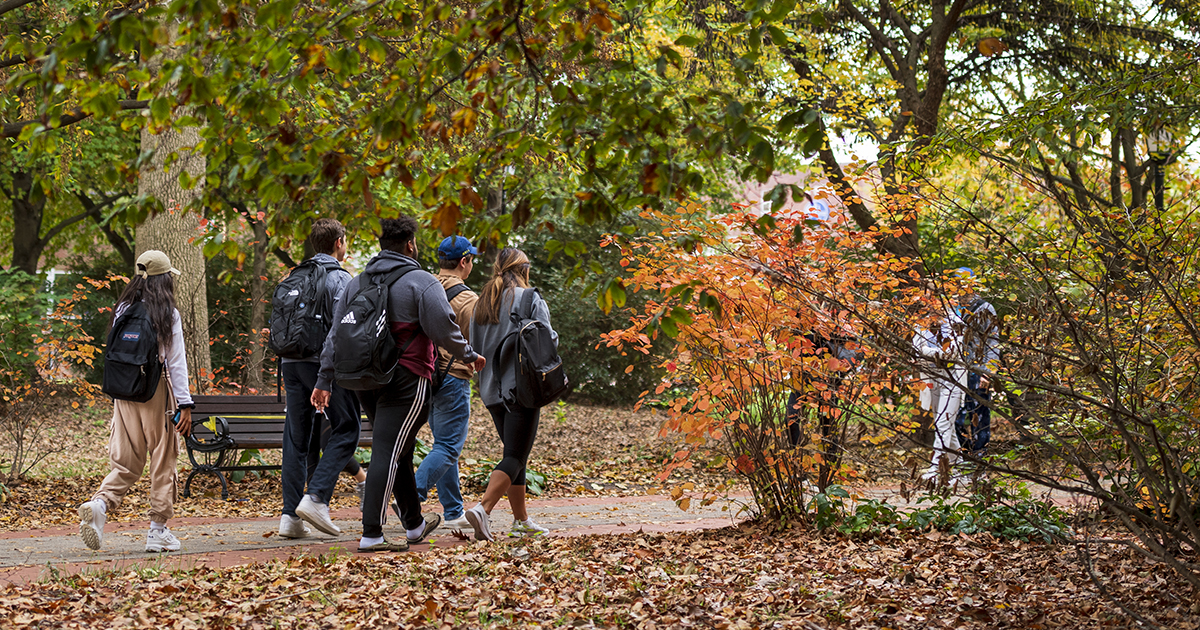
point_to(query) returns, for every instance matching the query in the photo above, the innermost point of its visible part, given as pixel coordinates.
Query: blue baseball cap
(455, 247)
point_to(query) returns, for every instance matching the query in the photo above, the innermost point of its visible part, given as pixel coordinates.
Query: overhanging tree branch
(13, 5)
(13, 129)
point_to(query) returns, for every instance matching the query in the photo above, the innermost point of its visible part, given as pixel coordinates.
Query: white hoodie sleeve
(175, 362)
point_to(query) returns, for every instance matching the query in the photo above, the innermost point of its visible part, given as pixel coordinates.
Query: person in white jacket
(141, 429)
(945, 377)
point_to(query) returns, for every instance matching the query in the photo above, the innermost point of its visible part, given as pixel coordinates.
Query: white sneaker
(317, 515)
(293, 527)
(527, 528)
(159, 541)
(91, 523)
(478, 518)
(461, 523)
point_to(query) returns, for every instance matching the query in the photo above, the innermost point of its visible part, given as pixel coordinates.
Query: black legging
(517, 430)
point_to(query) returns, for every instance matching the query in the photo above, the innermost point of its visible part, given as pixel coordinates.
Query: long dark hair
(511, 270)
(157, 293)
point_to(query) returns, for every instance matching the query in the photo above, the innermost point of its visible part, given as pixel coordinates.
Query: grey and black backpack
(300, 312)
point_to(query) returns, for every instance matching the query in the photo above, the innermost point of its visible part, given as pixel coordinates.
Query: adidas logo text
(349, 318)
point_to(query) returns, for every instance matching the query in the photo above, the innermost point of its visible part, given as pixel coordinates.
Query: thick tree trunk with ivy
(258, 311)
(176, 231)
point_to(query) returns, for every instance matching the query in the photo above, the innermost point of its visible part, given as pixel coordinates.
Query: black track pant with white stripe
(397, 411)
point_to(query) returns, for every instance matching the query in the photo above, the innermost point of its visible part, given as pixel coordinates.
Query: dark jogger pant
(517, 430)
(298, 381)
(397, 411)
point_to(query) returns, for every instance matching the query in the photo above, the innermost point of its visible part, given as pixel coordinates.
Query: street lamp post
(1158, 144)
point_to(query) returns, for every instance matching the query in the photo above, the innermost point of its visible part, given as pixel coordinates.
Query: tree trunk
(258, 290)
(27, 211)
(175, 230)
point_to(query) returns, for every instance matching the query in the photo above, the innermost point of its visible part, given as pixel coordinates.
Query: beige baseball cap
(154, 263)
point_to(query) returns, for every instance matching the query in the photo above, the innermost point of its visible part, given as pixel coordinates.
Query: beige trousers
(139, 429)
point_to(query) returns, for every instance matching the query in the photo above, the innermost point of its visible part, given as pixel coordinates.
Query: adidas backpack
(131, 365)
(300, 314)
(540, 378)
(364, 352)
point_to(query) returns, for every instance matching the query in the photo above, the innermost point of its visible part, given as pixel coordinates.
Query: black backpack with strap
(540, 377)
(364, 352)
(300, 312)
(132, 368)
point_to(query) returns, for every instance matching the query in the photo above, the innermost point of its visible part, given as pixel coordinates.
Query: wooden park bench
(241, 423)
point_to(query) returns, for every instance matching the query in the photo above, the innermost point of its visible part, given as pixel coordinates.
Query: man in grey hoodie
(419, 317)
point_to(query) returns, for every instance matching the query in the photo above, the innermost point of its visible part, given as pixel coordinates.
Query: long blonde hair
(511, 270)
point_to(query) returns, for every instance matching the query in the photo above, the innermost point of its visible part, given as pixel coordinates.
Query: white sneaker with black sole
(317, 515)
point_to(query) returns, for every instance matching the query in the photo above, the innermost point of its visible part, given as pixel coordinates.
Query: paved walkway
(216, 542)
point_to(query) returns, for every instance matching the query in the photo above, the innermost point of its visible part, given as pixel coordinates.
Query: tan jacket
(463, 306)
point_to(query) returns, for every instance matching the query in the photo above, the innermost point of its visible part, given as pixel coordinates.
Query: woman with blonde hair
(517, 426)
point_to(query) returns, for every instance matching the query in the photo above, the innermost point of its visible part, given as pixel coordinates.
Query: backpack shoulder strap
(524, 310)
(456, 291)
(389, 278)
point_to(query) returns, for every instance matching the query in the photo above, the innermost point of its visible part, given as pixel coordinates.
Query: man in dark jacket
(300, 440)
(419, 317)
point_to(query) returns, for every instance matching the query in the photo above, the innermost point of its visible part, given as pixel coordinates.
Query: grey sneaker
(478, 518)
(527, 528)
(293, 527)
(91, 524)
(159, 541)
(317, 515)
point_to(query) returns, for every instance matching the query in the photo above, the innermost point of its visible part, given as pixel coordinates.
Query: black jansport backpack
(300, 313)
(364, 352)
(541, 378)
(131, 365)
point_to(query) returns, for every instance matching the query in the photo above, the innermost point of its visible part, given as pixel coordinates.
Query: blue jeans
(974, 435)
(449, 414)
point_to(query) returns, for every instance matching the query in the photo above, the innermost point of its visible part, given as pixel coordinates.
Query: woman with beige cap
(141, 429)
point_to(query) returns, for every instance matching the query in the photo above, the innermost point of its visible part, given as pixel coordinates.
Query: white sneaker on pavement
(461, 523)
(478, 518)
(293, 527)
(91, 523)
(161, 540)
(317, 515)
(527, 528)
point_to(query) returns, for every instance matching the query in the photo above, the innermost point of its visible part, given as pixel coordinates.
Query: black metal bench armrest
(218, 442)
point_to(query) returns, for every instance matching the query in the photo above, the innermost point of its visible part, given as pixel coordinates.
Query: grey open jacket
(487, 338)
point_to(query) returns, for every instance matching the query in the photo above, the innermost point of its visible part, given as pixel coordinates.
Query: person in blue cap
(450, 408)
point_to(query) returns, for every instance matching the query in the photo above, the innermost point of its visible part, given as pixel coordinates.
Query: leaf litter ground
(744, 577)
(582, 450)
